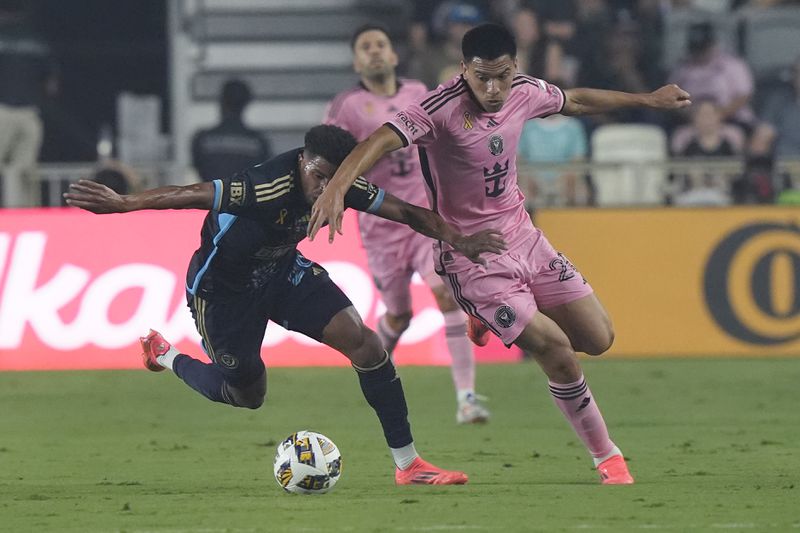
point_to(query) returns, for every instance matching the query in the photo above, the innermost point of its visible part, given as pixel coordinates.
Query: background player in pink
(394, 253)
(467, 131)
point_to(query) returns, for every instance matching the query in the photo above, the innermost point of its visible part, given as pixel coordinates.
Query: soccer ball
(307, 463)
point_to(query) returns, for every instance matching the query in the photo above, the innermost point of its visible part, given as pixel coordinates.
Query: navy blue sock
(205, 378)
(384, 392)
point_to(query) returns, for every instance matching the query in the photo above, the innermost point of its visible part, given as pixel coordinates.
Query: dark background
(101, 48)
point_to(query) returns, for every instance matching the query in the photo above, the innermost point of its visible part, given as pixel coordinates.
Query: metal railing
(544, 183)
(56, 177)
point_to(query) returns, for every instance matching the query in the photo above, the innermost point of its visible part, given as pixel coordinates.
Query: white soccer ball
(307, 463)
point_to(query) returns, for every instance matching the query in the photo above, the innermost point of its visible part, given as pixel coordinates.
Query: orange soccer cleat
(477, 331)
(423, 473)
(614, 471)
(153, 345)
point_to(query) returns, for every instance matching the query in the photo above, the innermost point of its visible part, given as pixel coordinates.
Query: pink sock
(463, 358)
(576, 402)
(388, 336)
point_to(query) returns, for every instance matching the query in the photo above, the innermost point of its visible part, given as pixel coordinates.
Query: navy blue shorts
(302, 298)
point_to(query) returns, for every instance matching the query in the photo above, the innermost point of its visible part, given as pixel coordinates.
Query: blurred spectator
(710, 73)
(555, 139)
(707, 136)
(117, 176)
(593, 24)
(762, 3)
(780, 130)
(230, 146)
(710, 6)
(558, 18)
(649, 16)
(557, 24)
(613, 59)
(441, 62)
(756, 185)
(536, 56)
(26, 74)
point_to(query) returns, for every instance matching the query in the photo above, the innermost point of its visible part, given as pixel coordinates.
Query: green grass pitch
(712, 444)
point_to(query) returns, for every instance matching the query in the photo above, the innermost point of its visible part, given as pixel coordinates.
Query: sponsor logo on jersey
(407, 122)
(237, 193)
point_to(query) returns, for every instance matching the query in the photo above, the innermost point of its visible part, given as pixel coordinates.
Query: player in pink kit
(394, 253)
(467, 132)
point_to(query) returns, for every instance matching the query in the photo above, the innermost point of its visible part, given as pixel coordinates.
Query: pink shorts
(506, 293)
(393, 266)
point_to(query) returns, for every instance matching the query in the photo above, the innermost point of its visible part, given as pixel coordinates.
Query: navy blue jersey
(258, 218)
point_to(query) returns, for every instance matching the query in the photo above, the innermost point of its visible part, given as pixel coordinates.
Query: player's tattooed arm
(588, 101)
(99, 199)
(329, 207)
(430, 224)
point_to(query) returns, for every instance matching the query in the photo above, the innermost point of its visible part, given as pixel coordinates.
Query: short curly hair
(332, 143)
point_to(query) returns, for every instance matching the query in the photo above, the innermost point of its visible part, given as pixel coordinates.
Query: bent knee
(251, 402)
(399, 322)
(369, 351)
(599, 344)
(251, 397)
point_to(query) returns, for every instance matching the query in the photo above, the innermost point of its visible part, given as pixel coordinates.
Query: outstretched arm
(99, 199)
(590, 101)
(329, 207)
(430, 224)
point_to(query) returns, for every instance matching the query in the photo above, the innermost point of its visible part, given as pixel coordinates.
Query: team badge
(496, 144)
(238, 192)
(228, 361)
(467, 120)
(505, 316)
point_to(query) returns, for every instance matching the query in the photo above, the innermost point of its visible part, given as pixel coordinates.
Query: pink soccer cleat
(153, 345)
(477, 331)
(614, 471)
(423, 473)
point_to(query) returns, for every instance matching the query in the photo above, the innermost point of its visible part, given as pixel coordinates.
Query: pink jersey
(361, 112)
(468, 157)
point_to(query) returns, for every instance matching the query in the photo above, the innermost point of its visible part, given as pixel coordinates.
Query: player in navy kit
(248, 270)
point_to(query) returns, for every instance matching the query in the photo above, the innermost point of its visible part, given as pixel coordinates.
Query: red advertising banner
(77, 291)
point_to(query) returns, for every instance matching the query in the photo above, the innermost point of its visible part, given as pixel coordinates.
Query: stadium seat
(630, 184)
(771, 38)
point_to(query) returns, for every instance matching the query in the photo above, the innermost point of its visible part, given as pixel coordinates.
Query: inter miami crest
(505, 316)
(496, 144)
